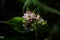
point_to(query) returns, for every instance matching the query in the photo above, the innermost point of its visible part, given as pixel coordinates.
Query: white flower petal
(38, 17)
(41, 20)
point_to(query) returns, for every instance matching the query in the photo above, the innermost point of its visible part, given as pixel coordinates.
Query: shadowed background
(12, 8)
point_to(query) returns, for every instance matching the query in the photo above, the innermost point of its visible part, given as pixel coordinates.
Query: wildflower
(38, 17)
(29, 15)
(41, 20)
(33, 16)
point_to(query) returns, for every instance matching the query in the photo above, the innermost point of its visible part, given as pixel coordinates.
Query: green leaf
(17, 23)
(43, 23)
(17, 19)
(28, 3)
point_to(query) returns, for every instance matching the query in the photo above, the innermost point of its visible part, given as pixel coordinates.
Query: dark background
(12, 8)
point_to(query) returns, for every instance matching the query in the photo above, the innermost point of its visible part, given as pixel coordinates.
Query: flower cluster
(29, 16)
(31, 19)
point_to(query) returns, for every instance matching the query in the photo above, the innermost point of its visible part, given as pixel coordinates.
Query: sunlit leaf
(17, 19)
(17, 23)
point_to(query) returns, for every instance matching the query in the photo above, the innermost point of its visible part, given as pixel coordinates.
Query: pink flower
(33, 16)
(29, 15)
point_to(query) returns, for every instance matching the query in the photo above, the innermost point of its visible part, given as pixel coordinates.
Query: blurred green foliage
(37, 5)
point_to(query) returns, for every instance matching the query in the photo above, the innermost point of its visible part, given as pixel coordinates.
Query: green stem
(41, 5)
(48, 9)
(36, 35)
(4, 22)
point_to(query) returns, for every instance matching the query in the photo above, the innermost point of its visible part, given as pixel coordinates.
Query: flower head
(31, 19)
(29, 15)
